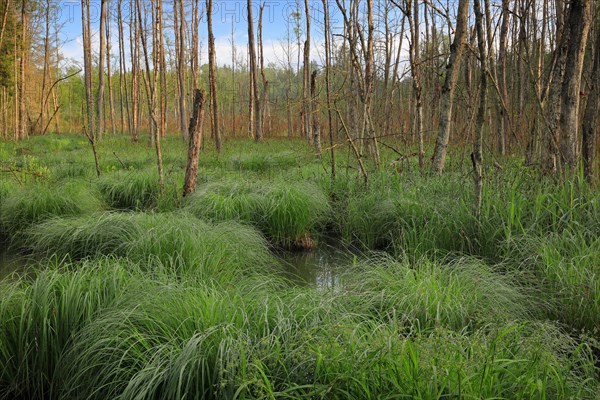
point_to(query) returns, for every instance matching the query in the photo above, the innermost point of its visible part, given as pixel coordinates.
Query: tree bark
(101, 72)
(213, 76)
(306, 82)
(477, 155)
(316, 125)
(327, 85)
(195, 139)
(258, 135)
(87, 62)
(447, 95)
(590, 118)
(580, 19)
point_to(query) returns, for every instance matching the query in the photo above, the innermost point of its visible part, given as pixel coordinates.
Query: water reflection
(9, 263)
(321, 267)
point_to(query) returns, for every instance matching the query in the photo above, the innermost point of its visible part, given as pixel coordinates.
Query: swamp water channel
(320, 267)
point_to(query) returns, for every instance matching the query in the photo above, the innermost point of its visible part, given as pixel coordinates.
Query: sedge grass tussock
(40, 316)
(178, 240)
(289, 214)
(35, 203)
(457, 294)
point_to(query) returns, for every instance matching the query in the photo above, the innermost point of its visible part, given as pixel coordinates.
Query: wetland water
(321, 267)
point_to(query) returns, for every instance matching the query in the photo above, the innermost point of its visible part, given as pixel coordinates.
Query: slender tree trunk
(327, 30)
(505, 125)
(111, 100)
(22, 68)
(213, 76)
(41, 125)
(306, 82)
(447, 95)
(477, 155)
(316, 125)
(258, 135)
(123, 92)
(179, 16)
(590, 118)
(580, 19)
(151, 80)
(101, 72)
(195, 139)
(87, 62)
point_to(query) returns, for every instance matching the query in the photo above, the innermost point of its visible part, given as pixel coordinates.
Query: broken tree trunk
(195, 136)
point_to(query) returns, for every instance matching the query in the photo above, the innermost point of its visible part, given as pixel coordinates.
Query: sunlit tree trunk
(447, 95)
(213, 76)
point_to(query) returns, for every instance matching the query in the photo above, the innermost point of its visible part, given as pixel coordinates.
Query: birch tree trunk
(213, 76)
(447, 95)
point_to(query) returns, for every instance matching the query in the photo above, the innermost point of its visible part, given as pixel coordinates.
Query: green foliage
(38, 202)
(460, 294)
(190, 302)
(39, 317)
(177, 242)
(137, 190)
(286, 213)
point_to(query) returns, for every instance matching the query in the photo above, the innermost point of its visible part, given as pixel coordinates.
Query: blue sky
(275, 26)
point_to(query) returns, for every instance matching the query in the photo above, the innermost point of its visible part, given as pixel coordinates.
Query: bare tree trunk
(580, 20)
(316, 125)
(415, 67)
(179, 21)
(87, 62)
(477, 156)
(447, 95)
(264, 104)
(123, 92)
(327, 30)
(258, 135)
(22, 68)
(213, 76)
(151, 90)
(195, 41)
(590, 118)
(100, 92)
(111, 101)
(505, 118)
(195, 139)
(306, 82)
(46, 67)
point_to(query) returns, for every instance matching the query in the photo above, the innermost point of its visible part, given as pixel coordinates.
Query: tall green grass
(459, 294)
(33, 204)
(40, 316)
(176, 241)
(289, 214)
(138, 190)
(565, 269)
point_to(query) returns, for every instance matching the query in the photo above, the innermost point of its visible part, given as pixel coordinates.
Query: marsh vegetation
(125, 291)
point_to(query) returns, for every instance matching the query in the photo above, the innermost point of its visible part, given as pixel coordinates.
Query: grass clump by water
(461, 294)
(184, 342)
(35, 203)
(289, 214)
(138, 190)
(174, 240)
(40, 316)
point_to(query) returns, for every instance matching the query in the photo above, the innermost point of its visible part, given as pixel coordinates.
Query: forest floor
(273, 280)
